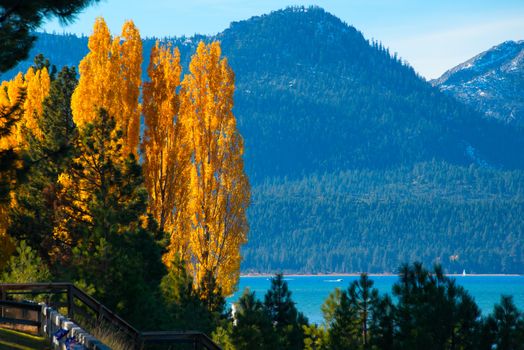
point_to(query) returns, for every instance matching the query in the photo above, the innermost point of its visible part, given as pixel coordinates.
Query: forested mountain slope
(361, 220)
(339, 135)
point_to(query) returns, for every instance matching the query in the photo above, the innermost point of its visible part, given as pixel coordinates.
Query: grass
(13, 340)
(109, 336)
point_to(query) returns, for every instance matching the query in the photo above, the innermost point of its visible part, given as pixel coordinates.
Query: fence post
(198, 343)
(70, 301)
(42, 320)
(139, 343)
(4, 297)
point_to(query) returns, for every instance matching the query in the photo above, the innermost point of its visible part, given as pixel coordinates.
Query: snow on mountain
(491, 82)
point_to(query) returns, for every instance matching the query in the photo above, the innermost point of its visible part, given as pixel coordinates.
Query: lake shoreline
(247, 275)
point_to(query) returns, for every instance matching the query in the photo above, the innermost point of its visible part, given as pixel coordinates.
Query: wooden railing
(74, 295)
(15, 313)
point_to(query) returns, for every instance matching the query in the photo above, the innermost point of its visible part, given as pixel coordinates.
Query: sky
(432, 35)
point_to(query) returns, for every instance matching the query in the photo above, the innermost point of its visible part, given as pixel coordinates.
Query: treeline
(152, 224)
(426, 310)
(367, 220)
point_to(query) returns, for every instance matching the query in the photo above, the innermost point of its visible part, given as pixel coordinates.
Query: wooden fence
(80, 306)
(25, 314)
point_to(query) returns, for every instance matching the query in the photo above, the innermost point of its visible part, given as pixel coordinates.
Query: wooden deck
(12, 340)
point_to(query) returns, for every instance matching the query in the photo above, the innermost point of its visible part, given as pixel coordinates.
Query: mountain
(492, 82)
(356, 162)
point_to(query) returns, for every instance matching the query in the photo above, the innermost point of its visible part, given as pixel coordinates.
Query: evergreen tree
(32, 218)
(363, 298)
(19, 19)
(253, 327)
(185, 309)
(284, 315)
(11, 164)
(433, 312)
(101, 230)
(354, 317)
(505, 327)
(330, 306)
(382, 325)
(315, 337)
(25, 266)
(344, 331)
(20, 109)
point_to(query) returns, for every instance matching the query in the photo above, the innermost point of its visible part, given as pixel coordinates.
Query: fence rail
(9, 315)
(74, 294)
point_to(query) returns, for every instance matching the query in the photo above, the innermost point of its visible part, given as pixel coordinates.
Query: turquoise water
(309, 292)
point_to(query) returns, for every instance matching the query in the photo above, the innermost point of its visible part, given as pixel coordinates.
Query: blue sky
(432, 35)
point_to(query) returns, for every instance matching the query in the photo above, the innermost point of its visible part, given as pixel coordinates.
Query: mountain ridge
(315, 100)
(491, 82)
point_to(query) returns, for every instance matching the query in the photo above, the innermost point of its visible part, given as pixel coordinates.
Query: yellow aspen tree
(165, 159)
(38, 84)
(110, 79)
(10, 94)
(92, 90)
(219, 192)
(130, 64)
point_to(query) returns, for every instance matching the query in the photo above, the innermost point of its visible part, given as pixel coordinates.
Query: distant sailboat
(464, 272)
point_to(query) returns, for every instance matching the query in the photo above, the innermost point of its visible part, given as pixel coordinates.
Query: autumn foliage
(198, 191)
(23, 99)
(218, 187)
(166, 159)
(107, 208)
(110, 79)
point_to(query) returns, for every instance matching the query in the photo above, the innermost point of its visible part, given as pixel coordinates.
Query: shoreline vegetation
(424, 307)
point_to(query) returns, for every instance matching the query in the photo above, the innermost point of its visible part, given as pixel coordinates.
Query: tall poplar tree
(165, 157)
(38, 83)
(110, 79)
(130, 73)
(219, 191)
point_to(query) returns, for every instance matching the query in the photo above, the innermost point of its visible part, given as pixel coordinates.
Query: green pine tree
(32, 218)
(432, 312)
(506, 326)
(105, 239)
(283, 313)
(25, 266)
(253, 327)
(183, 307)
(19, 19)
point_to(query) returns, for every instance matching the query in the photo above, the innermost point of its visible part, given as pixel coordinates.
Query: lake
(309, 292)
